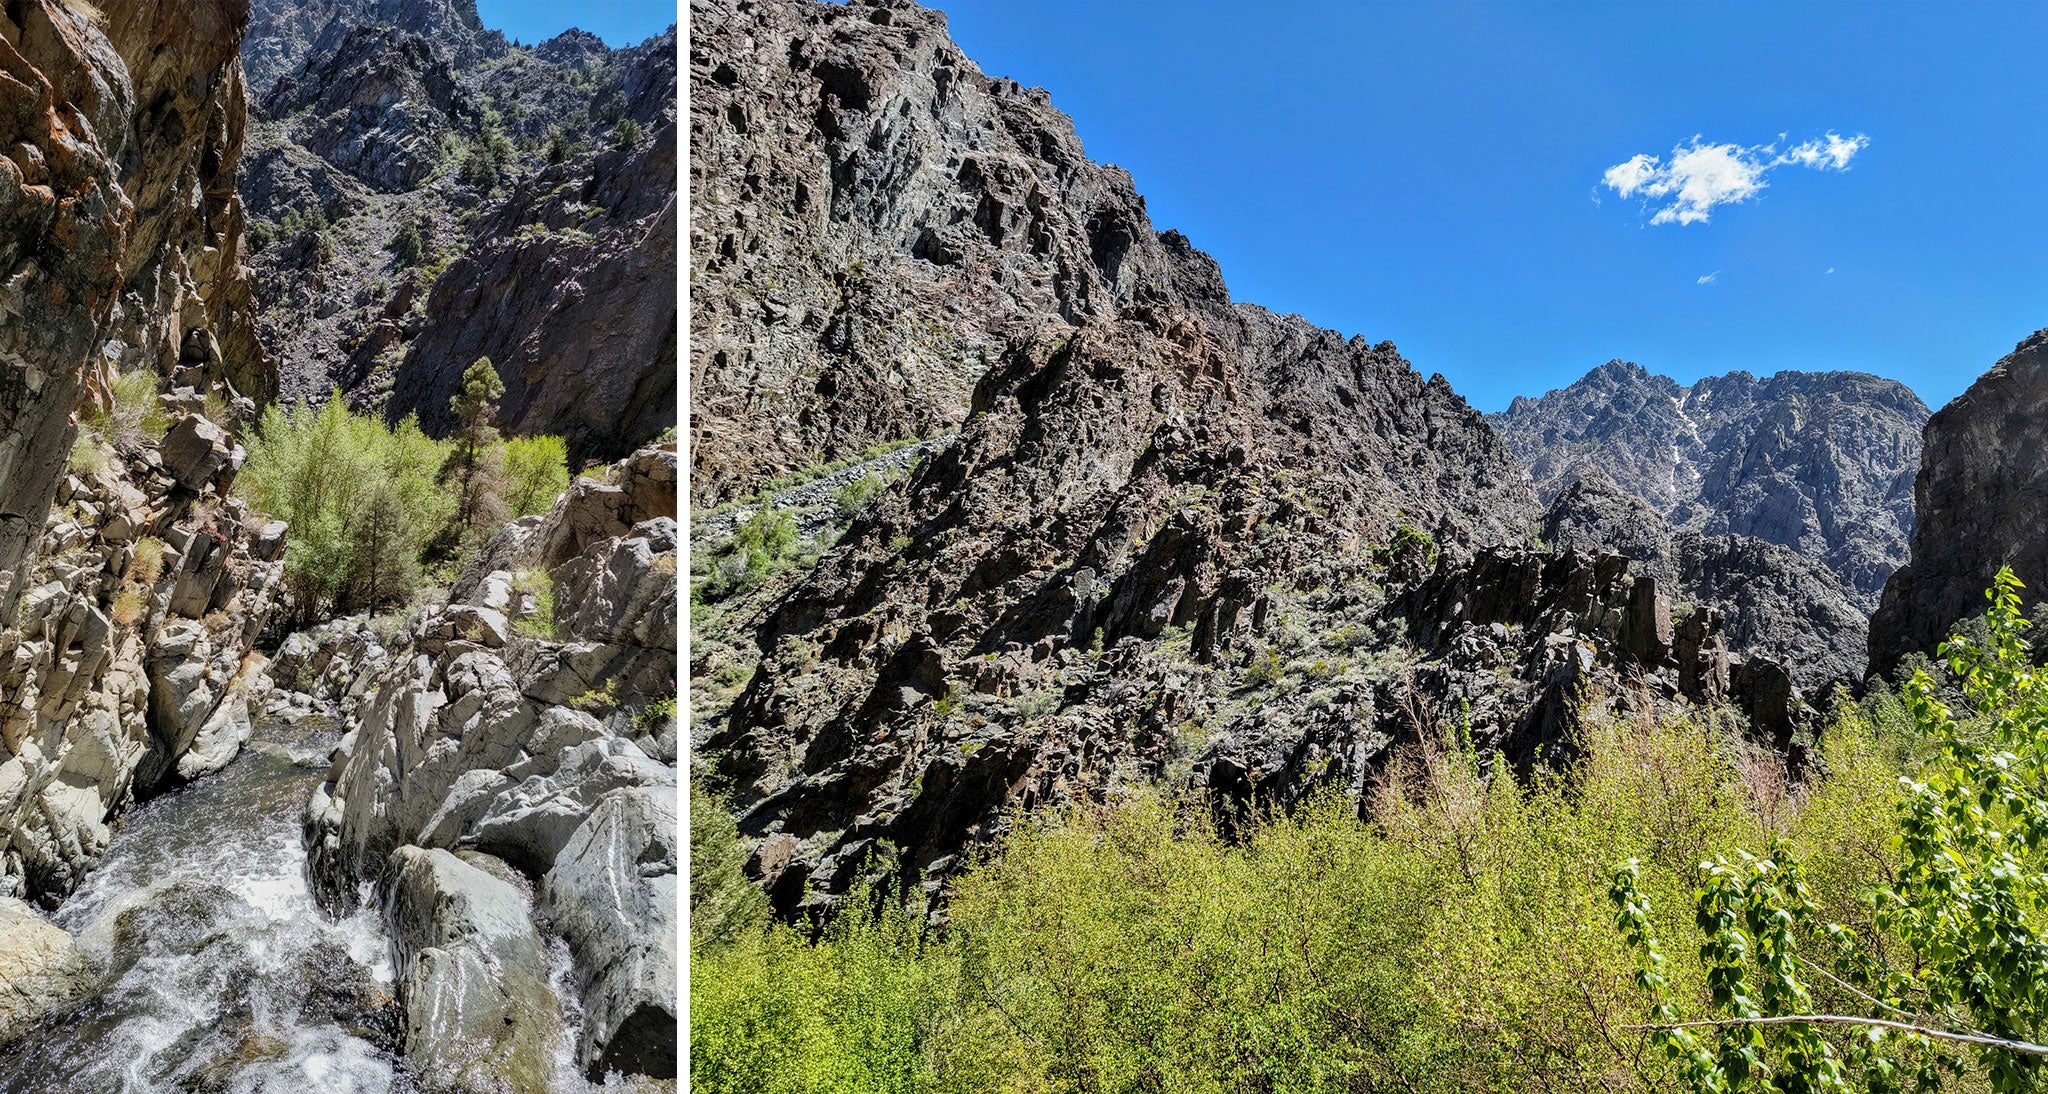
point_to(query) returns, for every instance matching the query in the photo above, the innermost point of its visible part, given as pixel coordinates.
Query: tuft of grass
(149, 561)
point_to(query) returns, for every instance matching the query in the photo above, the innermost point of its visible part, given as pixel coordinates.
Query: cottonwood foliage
(1946, 976)
(1451, 933)
(371, 504)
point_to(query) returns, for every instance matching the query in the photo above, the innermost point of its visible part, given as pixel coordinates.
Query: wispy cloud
(1708, 279)
(1699, 176)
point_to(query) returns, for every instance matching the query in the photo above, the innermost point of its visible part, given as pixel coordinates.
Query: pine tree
(473, 466)
(558, 147)
(385, 569)
(626, 134)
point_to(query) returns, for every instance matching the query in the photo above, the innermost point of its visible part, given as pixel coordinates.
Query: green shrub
(538, 586)
(1457, 939)
(1938, 972)
(852, 497)
(148, 565)
(407, 246)
(626, 134)
(133, 413)
(361, 498)
(536, 471)
(88, 457)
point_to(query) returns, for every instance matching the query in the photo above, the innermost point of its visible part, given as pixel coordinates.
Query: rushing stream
(219, 971)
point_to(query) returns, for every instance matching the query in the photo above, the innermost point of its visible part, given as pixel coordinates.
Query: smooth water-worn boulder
(40, 968)
(613, 895)
(480, 1017)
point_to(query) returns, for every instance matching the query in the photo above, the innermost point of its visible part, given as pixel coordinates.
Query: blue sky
(1432, 173)
(618, 22)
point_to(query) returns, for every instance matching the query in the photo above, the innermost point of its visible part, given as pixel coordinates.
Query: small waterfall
(220, 972)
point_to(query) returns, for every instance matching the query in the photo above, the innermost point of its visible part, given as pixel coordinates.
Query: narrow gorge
(237, 665)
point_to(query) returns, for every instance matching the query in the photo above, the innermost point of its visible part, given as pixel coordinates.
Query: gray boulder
(613, 896)
(40, 968)
(479, 1015)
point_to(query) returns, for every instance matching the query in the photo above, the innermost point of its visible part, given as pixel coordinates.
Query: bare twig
(2024, 1047)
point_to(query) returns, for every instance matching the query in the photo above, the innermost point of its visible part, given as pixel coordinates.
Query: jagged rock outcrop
(64, 222)
(1817, 462)
(535, 741)
(1981, 498)
(1775, 602)
(187, 306)
(873, 221)
(283, 34)
(40, 968)
(135, 583)
(379, 105)
(1519, 650)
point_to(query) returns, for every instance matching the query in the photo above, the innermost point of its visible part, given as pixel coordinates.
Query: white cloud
(1831, 269)
(1700, 176)
(1709, 279)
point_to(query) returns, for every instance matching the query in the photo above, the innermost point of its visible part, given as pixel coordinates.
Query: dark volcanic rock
(284, 34)
(1775, 602)
(1818, 462)
(873, 222)
(378, 106)
(569, 288)
(545, 244)
(1982, 500)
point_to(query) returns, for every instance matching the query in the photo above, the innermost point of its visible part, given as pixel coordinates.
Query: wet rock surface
(534, 743)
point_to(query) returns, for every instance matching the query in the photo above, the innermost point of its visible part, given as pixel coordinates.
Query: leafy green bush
(761, 546)
(853, 496)
(1941, 972)
(407, 246)
(1457, 939)
(361, 498)
(536, 471)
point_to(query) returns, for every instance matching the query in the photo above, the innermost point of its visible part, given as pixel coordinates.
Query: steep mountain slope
(1175, 538)
(546, 236)
(1982, 499)
(1818, 462)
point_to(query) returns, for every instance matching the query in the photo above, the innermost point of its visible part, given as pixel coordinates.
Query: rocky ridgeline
(508, 778)
(1820, 462)
(1776, 602)
(371, 115)
(1981, 505)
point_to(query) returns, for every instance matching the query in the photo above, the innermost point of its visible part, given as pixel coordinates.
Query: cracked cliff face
(135, 588)
(64, 223)
(1982, 498)
(556, 260)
